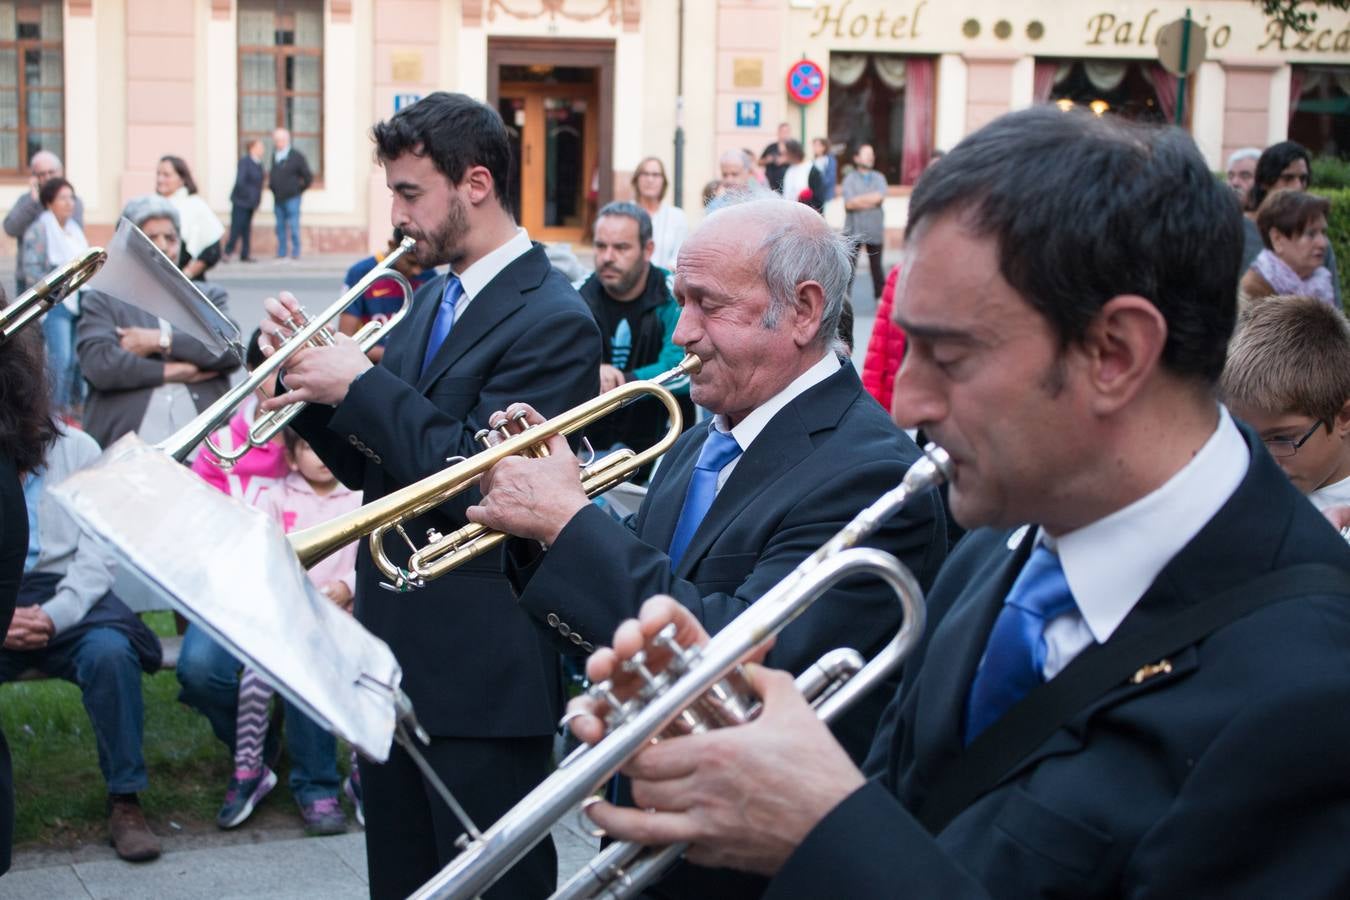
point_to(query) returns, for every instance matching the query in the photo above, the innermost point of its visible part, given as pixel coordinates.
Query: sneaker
(351, 786)
(323, 816)
(245, 791)
(128, 832)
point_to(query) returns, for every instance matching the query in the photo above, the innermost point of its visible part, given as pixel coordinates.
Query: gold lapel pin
(1161, 667)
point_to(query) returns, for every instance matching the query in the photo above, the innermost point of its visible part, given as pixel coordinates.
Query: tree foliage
(1299, 14)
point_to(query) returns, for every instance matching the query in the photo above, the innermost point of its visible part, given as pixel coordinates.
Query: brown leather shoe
(131, 837)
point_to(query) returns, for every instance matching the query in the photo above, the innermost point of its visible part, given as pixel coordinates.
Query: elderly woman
(1293, 227)
(144, 376)
(54, 239)
(200, 229)
(669, 225)
(1285, 166)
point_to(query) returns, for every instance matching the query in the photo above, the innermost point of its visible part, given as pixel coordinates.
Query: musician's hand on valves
(282, 317)
(529, 497)
(313, 374)
(743, 796)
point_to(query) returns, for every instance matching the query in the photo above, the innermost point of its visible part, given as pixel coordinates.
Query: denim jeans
(209, 676)
(108, 672)
(58, 327)
(288, 216)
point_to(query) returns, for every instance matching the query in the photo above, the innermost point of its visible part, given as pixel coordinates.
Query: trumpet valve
(482, 435)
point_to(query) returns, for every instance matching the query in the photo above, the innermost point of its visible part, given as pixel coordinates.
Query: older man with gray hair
(794, 449)
(143, 376)
(44, 166)
(1242, 171)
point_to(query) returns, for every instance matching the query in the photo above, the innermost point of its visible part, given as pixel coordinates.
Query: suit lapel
(954, 652)
(427, 301)
(676, 469)
(783, 443)
(500, 298)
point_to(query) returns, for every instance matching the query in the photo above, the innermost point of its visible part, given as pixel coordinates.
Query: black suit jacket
(248, 183)
(1225, 777)
(472, 663)
(820, 460)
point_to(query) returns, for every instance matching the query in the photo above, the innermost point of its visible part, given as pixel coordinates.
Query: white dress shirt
(1335, 494)
(1111, 563)
(480, 274)
(749, 428)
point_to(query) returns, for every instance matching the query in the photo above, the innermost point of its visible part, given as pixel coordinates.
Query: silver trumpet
(702, 688)
(312, 331)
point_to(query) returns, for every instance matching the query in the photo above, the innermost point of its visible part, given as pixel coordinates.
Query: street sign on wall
(747, 113)
(805, 81)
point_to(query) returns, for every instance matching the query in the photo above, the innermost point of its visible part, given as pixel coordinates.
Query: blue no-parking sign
(805, 81)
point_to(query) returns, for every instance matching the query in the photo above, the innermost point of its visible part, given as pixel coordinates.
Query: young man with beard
(502, 326)
(631, 301)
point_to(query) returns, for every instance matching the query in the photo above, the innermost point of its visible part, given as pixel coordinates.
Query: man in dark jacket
(244, 199)
(631, 301)
(44, 166)
(289, 177)
(1064, 729)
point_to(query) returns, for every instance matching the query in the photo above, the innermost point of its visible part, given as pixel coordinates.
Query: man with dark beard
(632, 303)
(503, 326)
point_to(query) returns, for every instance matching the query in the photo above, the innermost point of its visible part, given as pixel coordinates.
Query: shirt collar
(1110, 563)
(749, 428)
(480, 274)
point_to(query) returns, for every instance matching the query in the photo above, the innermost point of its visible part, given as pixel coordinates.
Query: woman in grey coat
(144, 376)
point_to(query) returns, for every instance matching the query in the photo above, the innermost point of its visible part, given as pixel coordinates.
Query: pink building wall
(1246, 112)
(159, 90)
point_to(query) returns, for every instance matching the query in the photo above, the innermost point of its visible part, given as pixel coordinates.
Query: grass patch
(60, 796)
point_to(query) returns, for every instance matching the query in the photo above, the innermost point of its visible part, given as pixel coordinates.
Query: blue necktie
(445, 317)
(718, 450)
(1015, 655)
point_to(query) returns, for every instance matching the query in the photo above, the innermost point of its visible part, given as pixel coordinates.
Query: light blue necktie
(445, 318)
(718, 450)
(1015, 655)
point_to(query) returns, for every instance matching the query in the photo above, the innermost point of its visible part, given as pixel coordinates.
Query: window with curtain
(32, 85)
(1135, 89)
(281, 74)
(886, 100)
(1320, 109)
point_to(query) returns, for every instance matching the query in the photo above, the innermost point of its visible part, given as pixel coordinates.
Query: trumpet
(312, 331)
(54, 287)
(443, 552)
(701, 688)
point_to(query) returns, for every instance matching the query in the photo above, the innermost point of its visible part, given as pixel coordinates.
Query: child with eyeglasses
(1288, 376)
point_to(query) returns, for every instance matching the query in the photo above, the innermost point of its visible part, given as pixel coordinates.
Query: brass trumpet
(313, 331)
(54, 287)
(443, 553)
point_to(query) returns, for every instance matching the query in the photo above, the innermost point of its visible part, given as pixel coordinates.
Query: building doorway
(555, 100)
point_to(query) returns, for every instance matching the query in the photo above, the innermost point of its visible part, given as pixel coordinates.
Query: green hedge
(1338, 231)
(1331, 173)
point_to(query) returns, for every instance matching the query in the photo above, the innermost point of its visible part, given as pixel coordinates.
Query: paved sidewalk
(333, 868)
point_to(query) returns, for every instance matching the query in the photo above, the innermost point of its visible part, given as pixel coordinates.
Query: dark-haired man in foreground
(1068, 299)
(501, 327)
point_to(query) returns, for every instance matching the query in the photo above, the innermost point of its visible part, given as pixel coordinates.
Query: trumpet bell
(54, 287)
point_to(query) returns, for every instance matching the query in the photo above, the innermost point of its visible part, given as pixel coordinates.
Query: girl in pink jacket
(308, 495)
